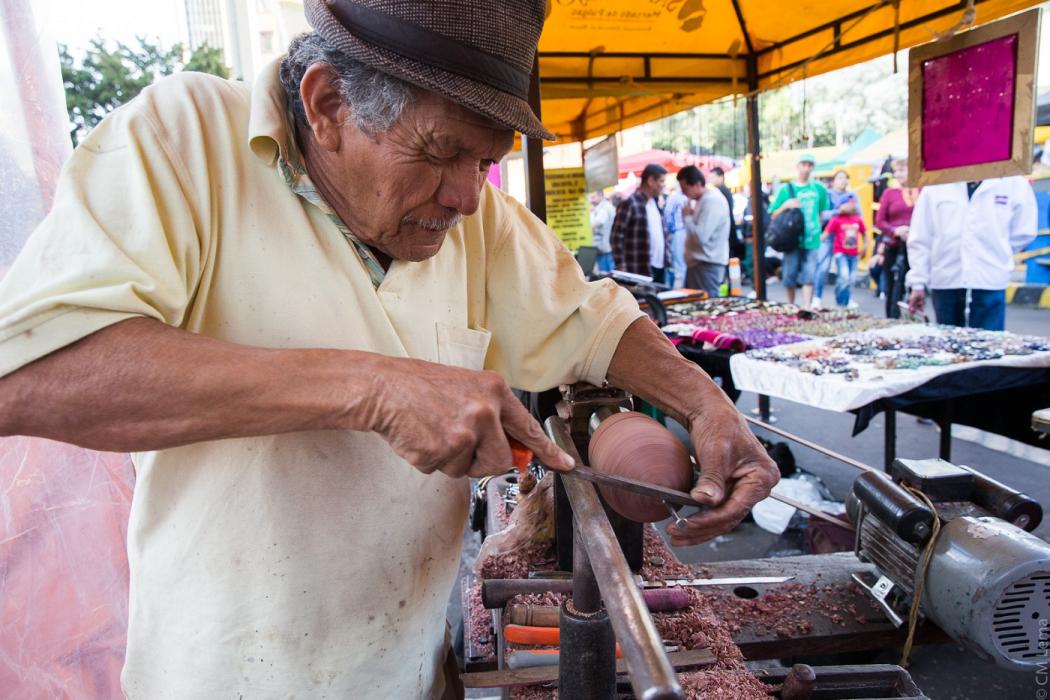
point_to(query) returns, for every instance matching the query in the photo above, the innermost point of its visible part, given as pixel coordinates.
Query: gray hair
(376, 100)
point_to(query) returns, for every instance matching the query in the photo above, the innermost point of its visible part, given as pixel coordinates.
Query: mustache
(432, 223)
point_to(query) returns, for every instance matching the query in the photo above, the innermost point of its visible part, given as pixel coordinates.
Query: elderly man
(301, 305)
(641, 243)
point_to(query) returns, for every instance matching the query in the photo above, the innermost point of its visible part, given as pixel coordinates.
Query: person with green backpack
(809, 198)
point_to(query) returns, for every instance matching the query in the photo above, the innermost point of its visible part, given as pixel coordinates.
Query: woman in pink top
(894, 221)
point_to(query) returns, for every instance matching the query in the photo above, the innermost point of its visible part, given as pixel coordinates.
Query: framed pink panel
(971, 102)
(968, 105)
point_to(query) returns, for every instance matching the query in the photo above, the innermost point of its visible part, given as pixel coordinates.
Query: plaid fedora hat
(474, 52)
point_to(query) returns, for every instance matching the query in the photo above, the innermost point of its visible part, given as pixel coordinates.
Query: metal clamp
(880, 591)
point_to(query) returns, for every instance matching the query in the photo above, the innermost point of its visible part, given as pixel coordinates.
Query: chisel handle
(533, 615)
(538, 636)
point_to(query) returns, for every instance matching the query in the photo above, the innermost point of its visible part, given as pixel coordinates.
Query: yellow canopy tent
(606, 65)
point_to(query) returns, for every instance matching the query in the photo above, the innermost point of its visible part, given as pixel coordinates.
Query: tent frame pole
(532, 149)
(758, 209)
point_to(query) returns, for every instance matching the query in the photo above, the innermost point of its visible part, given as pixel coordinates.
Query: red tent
(673, 162)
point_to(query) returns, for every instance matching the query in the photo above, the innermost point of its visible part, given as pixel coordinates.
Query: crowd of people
(950, 244)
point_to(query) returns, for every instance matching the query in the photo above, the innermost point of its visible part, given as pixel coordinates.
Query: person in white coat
(961, 245)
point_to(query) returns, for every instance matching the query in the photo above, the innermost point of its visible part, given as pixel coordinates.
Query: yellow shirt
(312, 564)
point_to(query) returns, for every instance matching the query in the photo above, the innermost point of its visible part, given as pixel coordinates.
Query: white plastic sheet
(63, 510)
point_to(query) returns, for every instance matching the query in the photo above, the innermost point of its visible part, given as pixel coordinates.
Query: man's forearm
(647, 365)
(141, 385)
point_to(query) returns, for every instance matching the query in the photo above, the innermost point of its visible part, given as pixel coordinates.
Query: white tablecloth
(834, 392)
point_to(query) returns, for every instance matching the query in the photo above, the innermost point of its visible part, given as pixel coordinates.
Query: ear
(325, 111)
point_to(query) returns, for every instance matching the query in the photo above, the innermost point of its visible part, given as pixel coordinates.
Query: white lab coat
(956, 243)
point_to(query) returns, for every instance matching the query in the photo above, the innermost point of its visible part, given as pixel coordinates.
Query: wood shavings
(516, 563)
(723, 685)
(530, 526)
(481, 634)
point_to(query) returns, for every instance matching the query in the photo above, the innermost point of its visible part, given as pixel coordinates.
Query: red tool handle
(522, 455)
(539, 636)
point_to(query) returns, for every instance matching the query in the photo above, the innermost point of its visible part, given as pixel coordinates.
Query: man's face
(691, 191)
(805, 169)
(715, 179)
(595, 198)
(400, 191)
(653, 185)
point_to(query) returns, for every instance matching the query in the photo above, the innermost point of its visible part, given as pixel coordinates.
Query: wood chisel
(733, 581)
(670, 497)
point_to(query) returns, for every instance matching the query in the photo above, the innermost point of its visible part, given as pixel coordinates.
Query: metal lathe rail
(599, 567)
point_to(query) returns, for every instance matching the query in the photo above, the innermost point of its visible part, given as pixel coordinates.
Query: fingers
(706, 525)
(493, 454)
(710, 487)
(701, 528)
(520, 425)
(716, 463)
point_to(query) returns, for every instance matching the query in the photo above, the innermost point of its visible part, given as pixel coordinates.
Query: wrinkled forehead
(453, 127)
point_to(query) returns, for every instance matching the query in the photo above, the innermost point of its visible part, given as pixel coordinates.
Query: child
(846, 227)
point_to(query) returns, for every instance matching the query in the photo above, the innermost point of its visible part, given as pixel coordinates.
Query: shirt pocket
(462, 347)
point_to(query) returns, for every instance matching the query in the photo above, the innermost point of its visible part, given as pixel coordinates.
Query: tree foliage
(106, 78)
(828, 110)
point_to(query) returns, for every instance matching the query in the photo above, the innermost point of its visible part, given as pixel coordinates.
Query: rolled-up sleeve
(120, 241)
(549, 325)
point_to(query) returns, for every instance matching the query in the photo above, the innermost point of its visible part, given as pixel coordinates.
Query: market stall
(989, 380)
(842, 360)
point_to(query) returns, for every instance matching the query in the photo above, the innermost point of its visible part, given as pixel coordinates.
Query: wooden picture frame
(972, 151)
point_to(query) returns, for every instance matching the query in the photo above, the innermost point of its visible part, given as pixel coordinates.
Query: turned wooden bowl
(636, 446)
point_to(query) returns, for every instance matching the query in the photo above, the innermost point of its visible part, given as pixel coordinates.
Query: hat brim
(501, 107)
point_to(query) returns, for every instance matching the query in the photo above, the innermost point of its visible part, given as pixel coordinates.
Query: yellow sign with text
(568, 211)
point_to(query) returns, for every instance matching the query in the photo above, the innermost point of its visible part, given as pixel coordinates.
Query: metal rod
(810, 444)
(945, 424)
(812, 511)
(776, 497)
(660, 493)
(889, 449)
(586, 598)
(652, 676)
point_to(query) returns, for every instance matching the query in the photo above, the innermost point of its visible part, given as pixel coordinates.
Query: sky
(75, 23)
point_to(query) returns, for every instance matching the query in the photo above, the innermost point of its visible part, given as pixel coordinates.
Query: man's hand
(194, 388)
(917, 300)
(453, 420)
(793, 203)
(736, 472)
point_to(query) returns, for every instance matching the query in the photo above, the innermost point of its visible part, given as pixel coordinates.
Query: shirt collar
(272, 140)
(267, 124)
